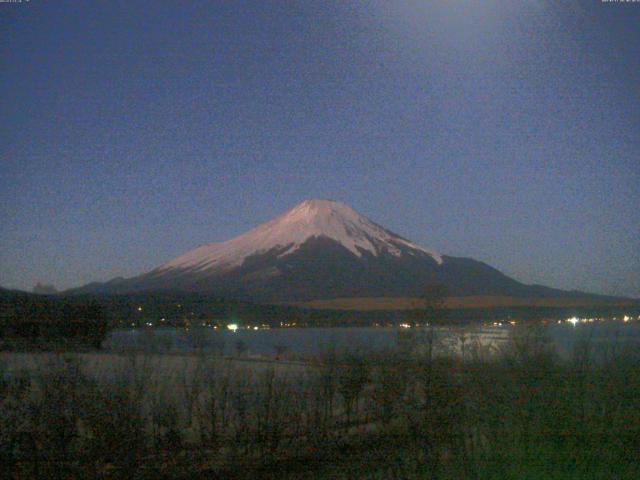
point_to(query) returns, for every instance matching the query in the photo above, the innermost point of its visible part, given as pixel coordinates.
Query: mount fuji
(321, 249)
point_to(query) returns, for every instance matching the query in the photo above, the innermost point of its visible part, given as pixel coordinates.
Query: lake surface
(304, 342)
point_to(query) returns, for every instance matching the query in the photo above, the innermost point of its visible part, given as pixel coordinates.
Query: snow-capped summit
(320, 249)
(286, 233)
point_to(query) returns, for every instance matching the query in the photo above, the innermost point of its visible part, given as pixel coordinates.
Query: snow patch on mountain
(312, 218)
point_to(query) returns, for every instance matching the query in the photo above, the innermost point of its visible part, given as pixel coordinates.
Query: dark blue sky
(134, 131)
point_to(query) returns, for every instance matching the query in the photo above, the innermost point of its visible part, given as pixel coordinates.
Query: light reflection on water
(315, 341)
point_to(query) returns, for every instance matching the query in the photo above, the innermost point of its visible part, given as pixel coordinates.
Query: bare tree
(281, 350)
(434, 300)
(353, 375)
(241, 348)
(433, 313)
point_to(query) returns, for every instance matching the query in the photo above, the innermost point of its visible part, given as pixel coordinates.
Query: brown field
(480, 301)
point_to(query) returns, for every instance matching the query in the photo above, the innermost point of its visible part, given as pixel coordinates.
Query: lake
(306, 342)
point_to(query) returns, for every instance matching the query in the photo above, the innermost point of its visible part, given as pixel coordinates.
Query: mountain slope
(288, 232)
(322, 249)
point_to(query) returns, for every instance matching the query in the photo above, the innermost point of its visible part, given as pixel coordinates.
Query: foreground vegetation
(401, 414)
(50, 323)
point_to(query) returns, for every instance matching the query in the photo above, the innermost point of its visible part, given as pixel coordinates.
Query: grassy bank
(523, 415)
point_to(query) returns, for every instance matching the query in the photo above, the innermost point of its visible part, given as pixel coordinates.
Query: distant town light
(255, 328)
(626, 318)
(405, 325)
(573, 321)
(233, 327)
(139, 309)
